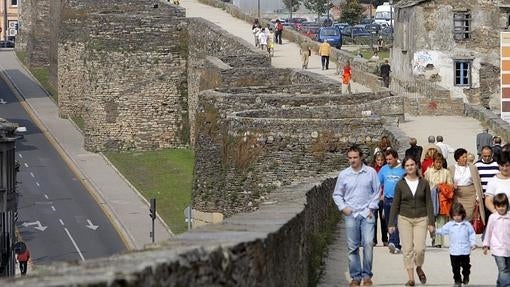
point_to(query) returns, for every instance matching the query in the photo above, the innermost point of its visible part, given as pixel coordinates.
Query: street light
(391, 19)
(258, 9)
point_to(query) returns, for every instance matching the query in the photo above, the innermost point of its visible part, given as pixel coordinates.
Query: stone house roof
(408, 3)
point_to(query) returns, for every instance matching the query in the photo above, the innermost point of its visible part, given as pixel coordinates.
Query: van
(331, 35)
(383, 14)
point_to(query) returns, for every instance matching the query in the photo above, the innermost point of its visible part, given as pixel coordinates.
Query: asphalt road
(57, 218)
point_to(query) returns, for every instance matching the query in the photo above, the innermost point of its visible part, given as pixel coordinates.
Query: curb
(123, 233)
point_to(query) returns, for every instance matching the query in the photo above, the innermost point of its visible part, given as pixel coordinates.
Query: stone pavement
(285, 56)
(127, 209)
(457, 132)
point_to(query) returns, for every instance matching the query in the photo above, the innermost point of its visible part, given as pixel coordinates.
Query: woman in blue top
(462, 241)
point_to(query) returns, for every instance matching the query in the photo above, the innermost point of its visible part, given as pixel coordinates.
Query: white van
(383, 14)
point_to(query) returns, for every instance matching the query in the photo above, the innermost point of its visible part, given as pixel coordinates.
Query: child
(270, 42)
(462, 240)
(496, 238)
(470, 158)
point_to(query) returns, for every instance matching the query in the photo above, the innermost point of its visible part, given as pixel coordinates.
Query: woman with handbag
(467, 184)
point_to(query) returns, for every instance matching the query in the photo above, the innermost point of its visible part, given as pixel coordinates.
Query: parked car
(311, 31)
(355, 31)
(366, 21)
(330, 35)
(340, 26)
(386, 31)
(6, 44)
(373, 28)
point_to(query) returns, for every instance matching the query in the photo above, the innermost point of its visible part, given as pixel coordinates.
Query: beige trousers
(413, 232)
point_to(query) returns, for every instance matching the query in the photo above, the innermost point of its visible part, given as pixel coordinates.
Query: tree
(351, 12)
(318, 6)
(292, 5)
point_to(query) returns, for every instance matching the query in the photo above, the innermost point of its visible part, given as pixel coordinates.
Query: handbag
(477, 220)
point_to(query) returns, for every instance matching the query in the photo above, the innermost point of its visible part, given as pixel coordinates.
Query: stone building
(452, 45)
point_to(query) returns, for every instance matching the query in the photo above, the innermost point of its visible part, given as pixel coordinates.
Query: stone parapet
(490, 120)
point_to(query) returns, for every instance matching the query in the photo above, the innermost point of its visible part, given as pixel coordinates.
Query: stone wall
(490, 120)
(241, 157)
(126, 75)
(271, 247)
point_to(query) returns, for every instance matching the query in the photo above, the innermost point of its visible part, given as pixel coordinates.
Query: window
(14, 2)
(462, 73)
(461, 25)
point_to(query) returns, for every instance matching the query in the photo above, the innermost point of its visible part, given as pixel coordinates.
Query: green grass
(22, 56)
(80, 123)
(165, 175)
(42, 75)
(368, 53)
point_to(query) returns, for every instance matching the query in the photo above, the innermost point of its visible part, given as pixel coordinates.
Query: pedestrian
(356, 194)
(377, 163)
(385, 70)
(412, 207)
(380, 44)
(428, 160)
(467, 184)
(445, 149)
(23, 258)
(440, 181)
(500, 183)
(383, 145)
(270, 42)
(462, 240)
(496, 148)
(496, 239)
(375, 57)
(346, 77)
(305, 52)
(415, 150)
(279, 31)
(324, 52)
(482, 139)
(431, 144)
(487, 169)
(471, 158)
(256, 32)
(263, 39)
(389, 176)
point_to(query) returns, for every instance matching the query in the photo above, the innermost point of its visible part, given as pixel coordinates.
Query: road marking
(37, 183)
(91, 226)
(46, 196)
(38, 223)
(32, 174)
(26, 164)
(75, 245)
(61, 222)
(53, 208)
(20, 155)
(2, 101)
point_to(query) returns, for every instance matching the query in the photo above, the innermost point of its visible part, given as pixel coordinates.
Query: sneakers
(393, 249)
(354, 283)
(465, 281)
(367, 282)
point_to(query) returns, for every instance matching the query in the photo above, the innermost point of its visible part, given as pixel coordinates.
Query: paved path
(285, 56)
(128, 210)
(457, 132)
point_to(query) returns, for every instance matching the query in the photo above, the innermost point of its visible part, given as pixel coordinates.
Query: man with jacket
(324, 51)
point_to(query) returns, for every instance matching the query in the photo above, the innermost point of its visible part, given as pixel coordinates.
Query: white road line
(61, 222)
(53, 208)
(32, 174)
(74, 243)
(36, 183)
(26, 164)
(20, 155)
(46, 196)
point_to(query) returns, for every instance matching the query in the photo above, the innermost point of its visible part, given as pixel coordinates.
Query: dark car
(373, 28)
(6, 44)
(356, 31)
(310, 31)
(330, 35)
(386, 31)
(340, 26)
(366, 21)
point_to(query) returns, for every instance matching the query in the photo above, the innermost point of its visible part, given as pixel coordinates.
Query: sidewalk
(457, 132)
(127, 209)
(285, 56)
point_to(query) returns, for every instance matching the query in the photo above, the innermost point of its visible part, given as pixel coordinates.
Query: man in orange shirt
(346, 77)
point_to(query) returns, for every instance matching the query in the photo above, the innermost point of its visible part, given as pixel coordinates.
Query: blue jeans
(394, 237)
(503, 264)
(360, 230)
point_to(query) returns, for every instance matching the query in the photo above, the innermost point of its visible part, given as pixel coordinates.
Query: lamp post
(5, 23)
(258, 9)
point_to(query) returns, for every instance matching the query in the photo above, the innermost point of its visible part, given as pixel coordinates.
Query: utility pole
(152, 213)
(8, 197)
(258, 9)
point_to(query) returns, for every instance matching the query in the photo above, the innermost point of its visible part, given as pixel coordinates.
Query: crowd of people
(423, 195)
